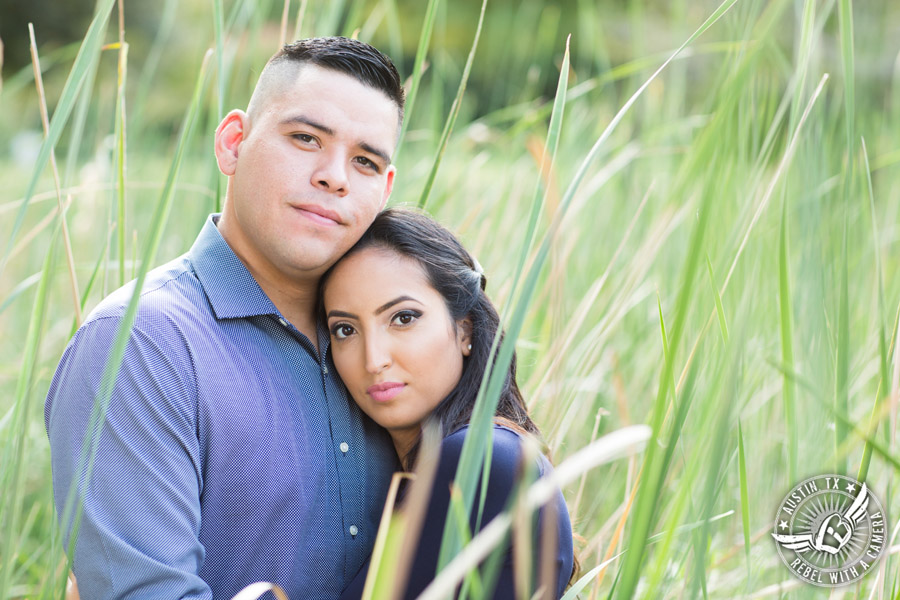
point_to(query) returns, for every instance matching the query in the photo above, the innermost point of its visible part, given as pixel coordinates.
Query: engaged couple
(282, 370)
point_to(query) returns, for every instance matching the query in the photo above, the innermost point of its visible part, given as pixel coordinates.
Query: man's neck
(297, 303)
(295, 298)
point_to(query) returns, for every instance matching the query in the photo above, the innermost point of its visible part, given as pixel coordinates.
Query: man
(230, 453)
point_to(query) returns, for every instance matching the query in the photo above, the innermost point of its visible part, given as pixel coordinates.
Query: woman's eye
(406, 317)
(341, 331)
(304, 137)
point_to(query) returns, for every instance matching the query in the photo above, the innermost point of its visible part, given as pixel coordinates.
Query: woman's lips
(383, 392)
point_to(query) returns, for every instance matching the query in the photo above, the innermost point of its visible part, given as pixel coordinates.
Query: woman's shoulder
(506, 449)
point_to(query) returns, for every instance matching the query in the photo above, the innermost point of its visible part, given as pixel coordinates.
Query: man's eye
(304, 137)
(341, 331)
(368, 163)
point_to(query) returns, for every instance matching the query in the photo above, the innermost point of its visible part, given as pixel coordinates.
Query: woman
(411, 330)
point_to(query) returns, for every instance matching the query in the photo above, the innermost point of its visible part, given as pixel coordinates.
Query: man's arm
(138, 535)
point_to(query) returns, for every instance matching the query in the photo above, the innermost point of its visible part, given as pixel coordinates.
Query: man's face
(311, 169)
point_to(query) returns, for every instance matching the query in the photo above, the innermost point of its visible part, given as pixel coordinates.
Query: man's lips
(319, 215)
(383, 392)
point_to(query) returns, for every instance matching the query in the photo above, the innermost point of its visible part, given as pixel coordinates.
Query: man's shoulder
(171, 290)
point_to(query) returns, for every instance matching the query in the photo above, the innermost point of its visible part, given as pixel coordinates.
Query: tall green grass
(591, 178)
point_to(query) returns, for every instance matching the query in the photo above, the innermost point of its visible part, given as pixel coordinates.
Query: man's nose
(330, 174)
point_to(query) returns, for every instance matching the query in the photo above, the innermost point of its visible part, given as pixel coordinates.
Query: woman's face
(393, 340)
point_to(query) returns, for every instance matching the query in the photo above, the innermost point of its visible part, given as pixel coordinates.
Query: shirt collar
(232, 291)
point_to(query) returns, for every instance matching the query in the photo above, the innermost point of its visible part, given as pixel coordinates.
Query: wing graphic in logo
(857, 510)
(835, 531)
(798, 543)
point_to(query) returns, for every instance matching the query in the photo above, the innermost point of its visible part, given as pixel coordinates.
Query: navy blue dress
(505, 469)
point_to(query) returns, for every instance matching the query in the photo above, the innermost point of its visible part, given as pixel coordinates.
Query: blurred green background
(744, 202)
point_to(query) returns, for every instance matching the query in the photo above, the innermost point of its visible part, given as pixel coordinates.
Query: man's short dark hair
(352, 57)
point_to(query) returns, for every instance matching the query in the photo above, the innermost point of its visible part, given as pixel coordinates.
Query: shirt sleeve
(138, 534)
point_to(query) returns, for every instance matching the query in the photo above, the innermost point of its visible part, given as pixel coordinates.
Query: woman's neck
(403, 444)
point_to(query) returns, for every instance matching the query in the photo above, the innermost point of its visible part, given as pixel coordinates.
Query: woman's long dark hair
(453, 272)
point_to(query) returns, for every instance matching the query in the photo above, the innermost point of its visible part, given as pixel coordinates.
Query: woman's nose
(378, 356)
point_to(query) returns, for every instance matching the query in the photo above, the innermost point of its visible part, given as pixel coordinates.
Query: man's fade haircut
(357, 59)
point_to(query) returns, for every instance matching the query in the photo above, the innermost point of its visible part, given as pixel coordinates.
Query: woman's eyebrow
(396, 300)
(340, 313)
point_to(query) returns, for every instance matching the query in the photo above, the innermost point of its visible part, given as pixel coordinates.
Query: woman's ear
(464, 335)
(229, 135)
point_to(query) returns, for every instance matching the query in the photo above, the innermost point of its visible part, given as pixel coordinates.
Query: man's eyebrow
(306, 121)
(377, 152)
(300, 119)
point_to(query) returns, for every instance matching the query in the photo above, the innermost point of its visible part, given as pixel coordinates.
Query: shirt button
(344, 447)
(282, 321)
(353, 530)
(325, 369)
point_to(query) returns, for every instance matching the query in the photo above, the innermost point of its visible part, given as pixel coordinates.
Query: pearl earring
(470, 346)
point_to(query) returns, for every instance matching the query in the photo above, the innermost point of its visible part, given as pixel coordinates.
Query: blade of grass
(219, 31)
(548, 158)
(723, 326)
(301, 13)
(845, 27)
(20, 288)
(648, 497)
(745, 500)
(454, 111)
(12, 470)
(119, 163)
(390, 566)
(684, 499)
(286, 11)
(787, 343)
(717, 450)
(258, 589)
(45, 122)
(87, 53)
(884, 359)
(418, 70)
(73, 507)
(78, 122)
(868, 436)
(842, 370)
(584, 580)
(842, 375)
(147, 74)
(617, 444)
(394, 23)
(488, 395)
(773, 182)
(392, 528)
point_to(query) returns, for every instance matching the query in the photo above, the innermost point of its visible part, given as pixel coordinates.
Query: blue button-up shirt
(231, 452)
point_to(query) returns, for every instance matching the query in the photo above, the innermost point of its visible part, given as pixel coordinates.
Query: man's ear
(388, 185)
(464, 335)
(229, 135)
